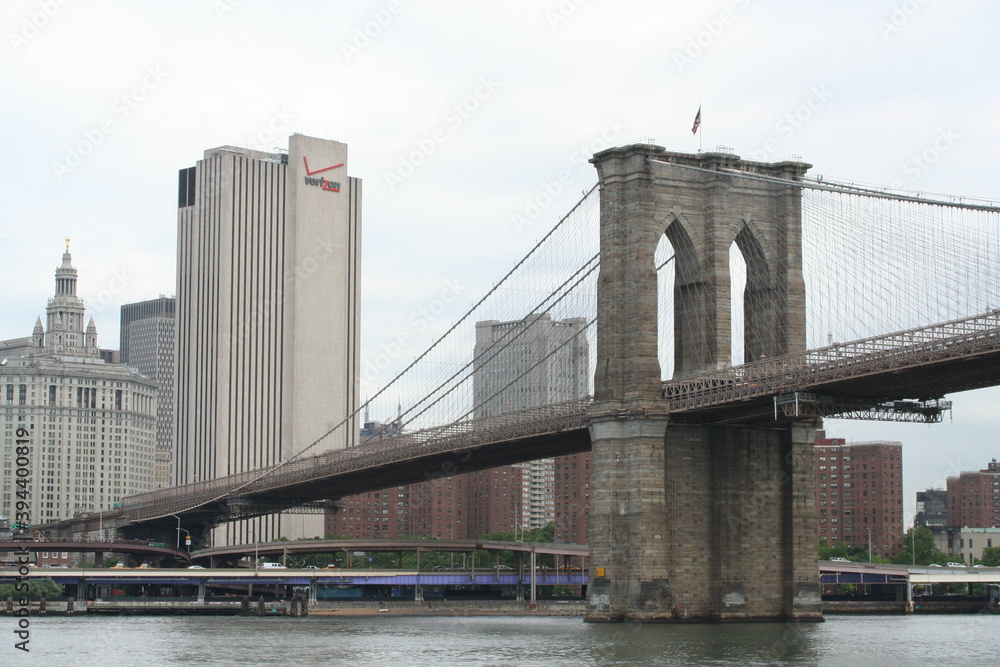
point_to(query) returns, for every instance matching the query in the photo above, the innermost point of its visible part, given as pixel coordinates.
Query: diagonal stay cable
(498, 351)
(506, 342)
(274, 468)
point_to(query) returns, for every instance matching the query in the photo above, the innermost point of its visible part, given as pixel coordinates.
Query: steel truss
(807, 404)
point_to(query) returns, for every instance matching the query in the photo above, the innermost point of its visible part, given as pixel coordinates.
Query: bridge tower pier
(696, 521)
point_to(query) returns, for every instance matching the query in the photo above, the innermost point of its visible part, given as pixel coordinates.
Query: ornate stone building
(79, 433)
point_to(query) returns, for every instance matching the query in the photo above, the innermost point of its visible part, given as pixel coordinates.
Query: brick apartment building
(859, 493)
(974, 498)
(545, 361)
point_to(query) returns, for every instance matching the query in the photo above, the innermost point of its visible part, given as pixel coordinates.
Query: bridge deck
(921, 363)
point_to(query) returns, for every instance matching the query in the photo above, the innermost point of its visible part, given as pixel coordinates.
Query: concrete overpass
(525, 551)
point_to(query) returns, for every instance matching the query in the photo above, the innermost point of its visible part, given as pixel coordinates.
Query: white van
(271, 566)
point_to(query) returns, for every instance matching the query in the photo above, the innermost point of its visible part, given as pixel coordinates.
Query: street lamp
(869, 531)
(179, 534)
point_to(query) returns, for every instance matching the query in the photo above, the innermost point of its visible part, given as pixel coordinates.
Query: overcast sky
(458, 115)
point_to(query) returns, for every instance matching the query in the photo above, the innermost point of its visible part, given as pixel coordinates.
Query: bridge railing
(371, 453)
(840, 361)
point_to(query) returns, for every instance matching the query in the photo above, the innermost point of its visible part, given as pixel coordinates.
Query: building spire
(66, 275)
(64, 316)
(92, 336)
(38, 334)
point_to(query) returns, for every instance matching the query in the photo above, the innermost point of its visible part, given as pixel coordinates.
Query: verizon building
(268, 249)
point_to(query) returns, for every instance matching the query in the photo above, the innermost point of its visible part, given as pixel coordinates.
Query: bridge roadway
(142, 548)
(851, 379)
(300, 547)
(832, 572)
(865, 378)
(153, 552)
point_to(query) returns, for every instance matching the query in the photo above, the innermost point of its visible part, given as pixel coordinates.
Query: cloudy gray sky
(458, 115)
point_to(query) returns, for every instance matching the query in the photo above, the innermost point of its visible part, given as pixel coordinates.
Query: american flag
(697, 121)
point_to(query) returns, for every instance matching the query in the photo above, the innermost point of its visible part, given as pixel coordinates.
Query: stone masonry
(706, 522)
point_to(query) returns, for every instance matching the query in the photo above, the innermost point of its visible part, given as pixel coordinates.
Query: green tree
(37, 588)
(852, 553)
(991, 557)
(918, 548)
(924, 551)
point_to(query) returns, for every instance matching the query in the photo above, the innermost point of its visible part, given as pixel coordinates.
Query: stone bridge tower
(697, 521)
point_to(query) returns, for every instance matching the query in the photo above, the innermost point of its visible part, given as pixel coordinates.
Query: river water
(399, 641)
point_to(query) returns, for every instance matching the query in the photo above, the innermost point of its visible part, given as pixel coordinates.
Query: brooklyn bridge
(733, 305)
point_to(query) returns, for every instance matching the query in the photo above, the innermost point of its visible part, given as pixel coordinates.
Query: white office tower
(269, 246)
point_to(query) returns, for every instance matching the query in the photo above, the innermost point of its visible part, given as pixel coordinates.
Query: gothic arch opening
(664, 261)
(758, 306)
(737, 285)
(683, 299)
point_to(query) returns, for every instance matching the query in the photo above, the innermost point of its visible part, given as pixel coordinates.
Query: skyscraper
(147, 345)
(522, 364)
(267, 314)
(78, 432)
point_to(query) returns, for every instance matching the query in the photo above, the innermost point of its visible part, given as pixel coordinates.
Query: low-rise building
(966, 542)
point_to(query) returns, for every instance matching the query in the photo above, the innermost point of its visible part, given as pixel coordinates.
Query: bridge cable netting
(872, 262)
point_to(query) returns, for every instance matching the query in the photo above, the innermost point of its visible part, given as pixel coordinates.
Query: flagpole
(696, 128)
(701, 132)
